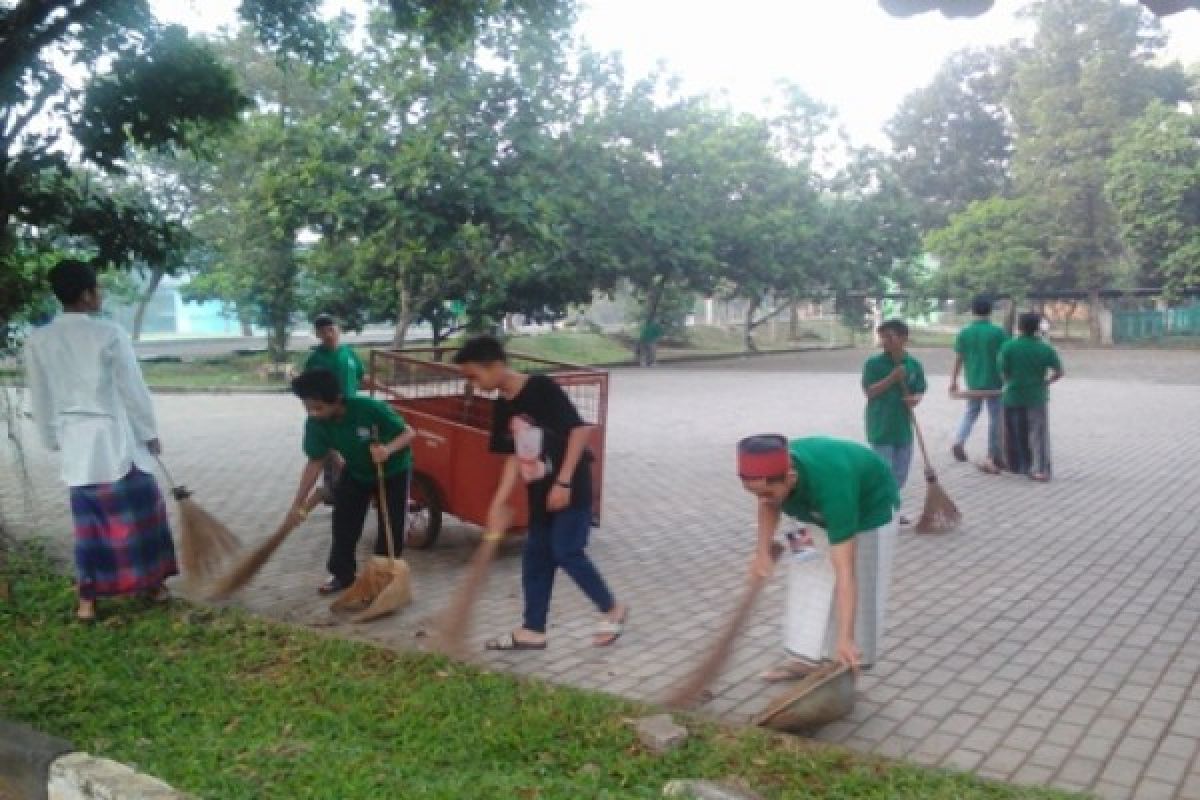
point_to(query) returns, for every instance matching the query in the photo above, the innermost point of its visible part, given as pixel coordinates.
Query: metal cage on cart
(454, 471)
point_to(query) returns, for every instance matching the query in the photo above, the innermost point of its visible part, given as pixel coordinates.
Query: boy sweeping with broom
(840, 574)
(365, 432)
(894, 383)
(545, 443)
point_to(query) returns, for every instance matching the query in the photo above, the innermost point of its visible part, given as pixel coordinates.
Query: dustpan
(823, 696)
(383, 587)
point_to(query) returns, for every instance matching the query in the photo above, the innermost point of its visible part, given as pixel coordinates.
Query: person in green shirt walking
(977, 348)
(330, 354)
(840, 570)
(1029, 365)
(647, 344)
(365, 432)
(894, 383)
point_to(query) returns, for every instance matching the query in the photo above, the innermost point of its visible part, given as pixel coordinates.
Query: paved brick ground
(1051, 641)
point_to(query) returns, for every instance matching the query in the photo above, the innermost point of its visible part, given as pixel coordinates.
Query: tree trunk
(1095, 334)
(277, 335)
(793, 319)
(404, 314)
(1067, 322)
(139, 316)
(748, 339)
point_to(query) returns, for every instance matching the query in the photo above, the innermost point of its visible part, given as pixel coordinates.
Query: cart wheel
(424, 521)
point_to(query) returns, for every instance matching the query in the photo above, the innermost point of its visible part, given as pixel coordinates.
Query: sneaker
(960, 452)
(905, 520)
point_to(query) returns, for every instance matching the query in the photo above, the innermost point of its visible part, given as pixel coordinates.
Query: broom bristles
(204, 542)
(689, 691)
(249, 565)
(456, 619)
(940, 515)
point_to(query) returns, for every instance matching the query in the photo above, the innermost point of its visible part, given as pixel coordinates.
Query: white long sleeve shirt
(89, 399)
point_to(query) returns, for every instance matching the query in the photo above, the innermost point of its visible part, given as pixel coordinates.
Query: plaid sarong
(122, 537)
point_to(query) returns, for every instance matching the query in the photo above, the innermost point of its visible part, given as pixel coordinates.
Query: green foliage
(1154, 186)
(224, 705)
(158, 89)
(175, 93)
(950, 139)
(990, 248)
(1074, 92)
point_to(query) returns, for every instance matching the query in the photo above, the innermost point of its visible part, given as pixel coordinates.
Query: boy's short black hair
(481, 350)
(70, 278)
(896, 326)
(324, 321)
(981, 306)
(317, 384)
(1029, 323)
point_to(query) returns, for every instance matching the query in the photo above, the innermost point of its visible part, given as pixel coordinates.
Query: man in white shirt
(91, 405)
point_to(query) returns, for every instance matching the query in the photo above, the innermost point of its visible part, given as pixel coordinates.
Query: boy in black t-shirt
(545, 439)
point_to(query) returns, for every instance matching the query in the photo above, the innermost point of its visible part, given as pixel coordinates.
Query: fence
(1150, 325)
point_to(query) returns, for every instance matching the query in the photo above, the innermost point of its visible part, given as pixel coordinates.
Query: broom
(456, 619)
(204, 541)
(939, 515)
(250, 563)
(687, 693)
(384, 586)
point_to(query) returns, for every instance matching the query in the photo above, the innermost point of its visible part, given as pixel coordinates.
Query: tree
(447, 164)
(1088, 75)
(951, 139)
(254, 205)
(991, 248)
(159, 90)
(1154, 185)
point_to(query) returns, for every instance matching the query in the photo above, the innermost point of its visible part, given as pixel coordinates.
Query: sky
(849, 54)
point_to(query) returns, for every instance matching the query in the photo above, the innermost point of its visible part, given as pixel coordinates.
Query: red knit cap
(763, 456)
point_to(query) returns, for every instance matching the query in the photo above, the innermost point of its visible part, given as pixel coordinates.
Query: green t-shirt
(979, 345)
(1024, 362)
(343, 362)
(843, 486)
(352, 435)
(888, 419)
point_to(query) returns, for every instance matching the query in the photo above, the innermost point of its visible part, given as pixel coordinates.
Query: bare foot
(86, 611)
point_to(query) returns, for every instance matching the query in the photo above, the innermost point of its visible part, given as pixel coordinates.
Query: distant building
(168, 314)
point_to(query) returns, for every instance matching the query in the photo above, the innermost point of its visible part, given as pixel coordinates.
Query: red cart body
(453, 470)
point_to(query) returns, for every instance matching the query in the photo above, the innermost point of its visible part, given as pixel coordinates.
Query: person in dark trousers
(365, 432)
(1029, 365)
(977, 351)
(348, 368)
(546, 443)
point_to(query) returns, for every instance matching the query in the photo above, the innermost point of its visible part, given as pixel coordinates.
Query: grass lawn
(228, 706)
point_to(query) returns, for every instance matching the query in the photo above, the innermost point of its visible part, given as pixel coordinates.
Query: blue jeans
(898, 457)
(559, 541)
(974, 407)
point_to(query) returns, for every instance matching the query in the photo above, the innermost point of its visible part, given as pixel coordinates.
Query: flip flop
(611, 629)
(510, 642)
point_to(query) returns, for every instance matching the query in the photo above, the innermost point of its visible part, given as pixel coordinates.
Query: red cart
(454, 473)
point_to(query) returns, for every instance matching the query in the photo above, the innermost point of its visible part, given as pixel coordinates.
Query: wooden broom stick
(688, 692)
(249, 565)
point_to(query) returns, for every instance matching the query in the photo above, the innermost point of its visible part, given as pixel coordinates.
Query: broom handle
(687, 692)
(912, 414)
(166, 471)
(387, 517)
